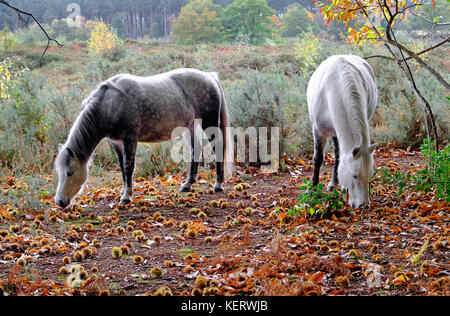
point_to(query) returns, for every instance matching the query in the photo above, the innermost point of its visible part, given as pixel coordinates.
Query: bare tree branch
(30, 15)
(429, 21)
(402, 63)
(418, 54)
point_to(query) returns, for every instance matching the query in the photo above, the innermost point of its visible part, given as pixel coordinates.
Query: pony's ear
(357, 152)
(70, 152)
(372, 148)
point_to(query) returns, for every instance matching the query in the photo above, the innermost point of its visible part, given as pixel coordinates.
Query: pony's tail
(228, 141)
(225, 128)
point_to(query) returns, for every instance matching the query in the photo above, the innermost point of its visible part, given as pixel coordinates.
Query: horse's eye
(355, 177)
(70, 173)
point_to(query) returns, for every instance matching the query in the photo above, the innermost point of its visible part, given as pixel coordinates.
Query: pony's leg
(195, 145)
(118, 149)
(219, 157)
(319, 144)
(129, 157)
(335, 179)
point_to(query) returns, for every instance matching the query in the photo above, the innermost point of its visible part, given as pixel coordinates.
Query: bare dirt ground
(240, 242)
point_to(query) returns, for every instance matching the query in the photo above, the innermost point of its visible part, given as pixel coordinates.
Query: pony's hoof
(185, 188)
(330, 188)
(125, 201)
(218, 188)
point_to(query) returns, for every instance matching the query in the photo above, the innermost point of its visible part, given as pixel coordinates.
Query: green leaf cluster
(433, 177)
(317, 202)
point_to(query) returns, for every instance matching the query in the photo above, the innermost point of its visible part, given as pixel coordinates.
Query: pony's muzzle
(61, 203)
(357, 205)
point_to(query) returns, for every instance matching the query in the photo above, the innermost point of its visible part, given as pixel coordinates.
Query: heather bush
(25, 124)
(400, 115)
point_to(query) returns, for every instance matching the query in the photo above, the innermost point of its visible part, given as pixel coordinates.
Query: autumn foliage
(362, 16)
(102, 39)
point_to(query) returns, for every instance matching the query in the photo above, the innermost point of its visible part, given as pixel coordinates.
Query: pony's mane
(83, 136)
(357, 102)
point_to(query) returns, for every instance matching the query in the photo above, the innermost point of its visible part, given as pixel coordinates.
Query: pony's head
(355, 171)
(72, 175)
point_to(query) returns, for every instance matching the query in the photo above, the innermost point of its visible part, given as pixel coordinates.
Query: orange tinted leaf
(317, 277)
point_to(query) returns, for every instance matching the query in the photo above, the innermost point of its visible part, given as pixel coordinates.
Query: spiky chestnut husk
(14, 228)
(63, 270)
(168, 264)
(78, 256)
(201, 282)
(120, 229)
(156, 272)
(139, 238)
(439, 245)
(191, 233)
(88, 252)
(21, 262)
(353, 253)
(342, 281)
(104, 293)
(324, 248)
(374, 249)
(214, 203)
(138, 259)
(202, 215)
(83, 274)
(125, 250)
(163, 291)
(376, 257)
(26, 230)
(116, 252)
(156, 215)
(157, 240)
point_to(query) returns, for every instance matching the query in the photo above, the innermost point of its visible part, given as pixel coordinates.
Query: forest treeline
(131, 18)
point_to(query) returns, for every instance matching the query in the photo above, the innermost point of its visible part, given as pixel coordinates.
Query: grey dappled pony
(127, 109)
(342, 97)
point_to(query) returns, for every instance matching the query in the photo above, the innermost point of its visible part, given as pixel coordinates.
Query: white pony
(342, 97)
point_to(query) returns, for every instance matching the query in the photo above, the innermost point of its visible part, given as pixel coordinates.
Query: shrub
(309, 49)
(6, 39)
(24, 126)
(8, 77)
(31, 35)
(104, 41)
